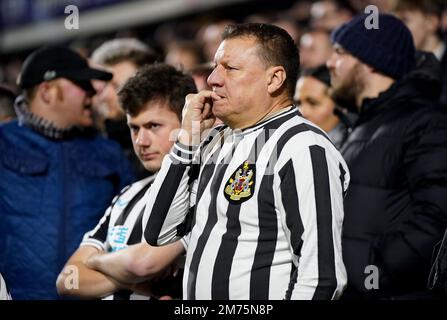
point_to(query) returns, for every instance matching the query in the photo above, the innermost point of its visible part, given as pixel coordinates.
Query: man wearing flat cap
(57, 174)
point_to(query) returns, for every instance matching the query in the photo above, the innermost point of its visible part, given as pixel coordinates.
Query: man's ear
(432, 21)
(276, 76)
(43, 92)
(47, 92)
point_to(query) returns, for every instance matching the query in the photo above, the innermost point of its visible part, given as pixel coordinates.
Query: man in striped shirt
(153, 101)
(269, 192)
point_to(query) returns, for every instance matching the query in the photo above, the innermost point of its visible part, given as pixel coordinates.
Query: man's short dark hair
(157, 82)
(120, 50)
(277, 47)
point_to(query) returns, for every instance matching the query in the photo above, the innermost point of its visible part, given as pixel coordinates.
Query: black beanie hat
(388, 49)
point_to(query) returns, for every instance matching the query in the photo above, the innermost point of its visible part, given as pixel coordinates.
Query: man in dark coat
(396, 208)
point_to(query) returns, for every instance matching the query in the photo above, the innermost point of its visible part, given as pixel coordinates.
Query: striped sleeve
(171, 195)
(168, 199)
(311, 197)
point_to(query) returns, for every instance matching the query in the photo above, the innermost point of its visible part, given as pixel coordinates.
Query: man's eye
(152, 126)
(339, 51)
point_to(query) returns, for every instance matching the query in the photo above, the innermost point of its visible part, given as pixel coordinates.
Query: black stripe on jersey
(327, 281)
(122, 295)
(101, 233)
(268, 233)
(224, 260)
(162, 203)
(259, 284)
(210, 222)
(217, 135)
(207, 173)
(289, 197)
(210, 165)
(342, 178)
(293, 278)
(212, 216)
(137, 231)
(129, 207)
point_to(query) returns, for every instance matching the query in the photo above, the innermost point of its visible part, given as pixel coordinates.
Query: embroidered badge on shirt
(241, 186)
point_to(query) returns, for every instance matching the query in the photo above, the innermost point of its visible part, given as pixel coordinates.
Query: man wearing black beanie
(396, 208)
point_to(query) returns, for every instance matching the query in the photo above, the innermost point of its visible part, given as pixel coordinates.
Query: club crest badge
(241, 185)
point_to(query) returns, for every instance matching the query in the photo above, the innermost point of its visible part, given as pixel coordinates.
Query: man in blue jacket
(56, 174)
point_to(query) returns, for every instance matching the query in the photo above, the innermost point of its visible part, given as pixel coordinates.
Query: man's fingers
(215, 96)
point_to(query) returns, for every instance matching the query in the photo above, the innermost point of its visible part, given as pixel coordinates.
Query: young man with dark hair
(153, 100)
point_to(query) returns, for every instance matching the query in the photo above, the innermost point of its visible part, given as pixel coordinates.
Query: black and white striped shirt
(121, 226)
(269, 212)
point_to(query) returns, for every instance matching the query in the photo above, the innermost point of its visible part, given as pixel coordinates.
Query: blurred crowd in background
(190, 42)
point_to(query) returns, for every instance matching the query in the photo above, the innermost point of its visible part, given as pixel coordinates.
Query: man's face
(315, 49)
(152, 132)
(73, 107)
(325, 15)
(418, 24)
(240, 78)
(346, 75)
(108, 99)
(314, 102)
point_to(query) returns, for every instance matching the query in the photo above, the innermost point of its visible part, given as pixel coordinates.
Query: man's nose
(304, 110)
(330, 63)
(106, 93)
(143, 138)
(215, 79)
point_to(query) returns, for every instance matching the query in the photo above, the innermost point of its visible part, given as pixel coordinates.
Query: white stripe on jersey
(284, 240)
